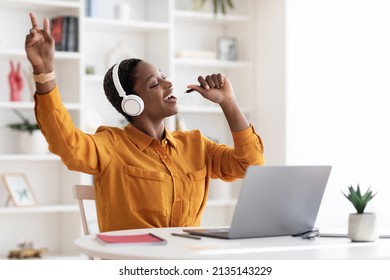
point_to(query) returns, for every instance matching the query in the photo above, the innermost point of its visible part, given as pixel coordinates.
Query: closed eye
(156, 85)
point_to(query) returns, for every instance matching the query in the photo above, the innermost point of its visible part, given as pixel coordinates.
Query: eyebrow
(152, 76)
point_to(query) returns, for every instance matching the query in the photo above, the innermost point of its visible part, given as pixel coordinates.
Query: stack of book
(65, 32)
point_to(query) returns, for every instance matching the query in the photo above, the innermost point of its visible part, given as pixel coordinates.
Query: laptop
(274, 201)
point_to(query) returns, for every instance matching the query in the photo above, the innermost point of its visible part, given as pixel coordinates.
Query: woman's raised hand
(40, 46)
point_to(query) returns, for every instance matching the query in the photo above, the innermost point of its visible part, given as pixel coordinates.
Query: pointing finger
(33, 20)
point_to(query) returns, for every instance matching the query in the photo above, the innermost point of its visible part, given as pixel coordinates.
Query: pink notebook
(147, 238)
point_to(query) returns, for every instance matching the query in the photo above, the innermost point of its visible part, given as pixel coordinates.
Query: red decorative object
(15, 82)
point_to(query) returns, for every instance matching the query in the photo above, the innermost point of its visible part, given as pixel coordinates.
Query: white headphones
(132, 104)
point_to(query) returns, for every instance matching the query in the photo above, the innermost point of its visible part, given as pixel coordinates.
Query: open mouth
(170, 98)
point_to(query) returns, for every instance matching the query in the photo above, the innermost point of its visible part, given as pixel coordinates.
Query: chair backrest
(82, 193)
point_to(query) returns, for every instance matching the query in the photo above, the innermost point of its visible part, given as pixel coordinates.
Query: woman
(145, 175)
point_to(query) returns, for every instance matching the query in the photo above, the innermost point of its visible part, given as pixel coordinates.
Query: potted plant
(362, 226)
(218, 5)
(31, 140)
(25, 125)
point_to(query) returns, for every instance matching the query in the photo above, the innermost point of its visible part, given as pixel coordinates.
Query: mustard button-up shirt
(139, 181)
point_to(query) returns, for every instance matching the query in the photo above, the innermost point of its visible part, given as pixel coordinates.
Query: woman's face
(156, 91)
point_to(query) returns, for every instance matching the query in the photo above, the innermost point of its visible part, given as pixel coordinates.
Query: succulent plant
(220, 4)
(359, 200)
(25, 125)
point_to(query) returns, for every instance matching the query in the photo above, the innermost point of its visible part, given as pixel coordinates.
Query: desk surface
(271, 248)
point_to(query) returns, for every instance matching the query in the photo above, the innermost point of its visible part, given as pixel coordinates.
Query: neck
(153, 129)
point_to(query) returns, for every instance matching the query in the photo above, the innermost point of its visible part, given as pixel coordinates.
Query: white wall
(270, 78)
(336, 75)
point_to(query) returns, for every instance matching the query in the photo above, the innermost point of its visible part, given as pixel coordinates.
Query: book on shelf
(88, 8)
(64, 30)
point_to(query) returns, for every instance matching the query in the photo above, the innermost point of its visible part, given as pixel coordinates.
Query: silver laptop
(275, 201)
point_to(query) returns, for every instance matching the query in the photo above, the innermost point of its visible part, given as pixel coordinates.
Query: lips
(170, 98)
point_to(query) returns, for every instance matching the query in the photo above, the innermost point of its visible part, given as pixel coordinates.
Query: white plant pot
(33, 143)
(362, 227)
(122, 11)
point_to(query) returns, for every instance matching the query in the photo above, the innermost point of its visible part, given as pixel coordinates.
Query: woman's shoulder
(193, 135)
(186, 133)
(108, 129)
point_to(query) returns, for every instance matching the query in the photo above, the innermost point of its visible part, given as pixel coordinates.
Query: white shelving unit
(155, 31)
(71, 208)
(54, 223)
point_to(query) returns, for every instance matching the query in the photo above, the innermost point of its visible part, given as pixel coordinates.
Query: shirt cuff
(49, 101)
(242, 136)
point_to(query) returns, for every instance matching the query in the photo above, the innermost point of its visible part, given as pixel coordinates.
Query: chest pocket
(145, 191)
(198, 185)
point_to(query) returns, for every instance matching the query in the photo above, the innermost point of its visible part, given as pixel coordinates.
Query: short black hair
(127, 78)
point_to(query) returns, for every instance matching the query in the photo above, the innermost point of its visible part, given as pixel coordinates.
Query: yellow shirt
(139, 181)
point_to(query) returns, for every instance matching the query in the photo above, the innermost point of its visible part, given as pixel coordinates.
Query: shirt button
(166, 142)
(178, 199)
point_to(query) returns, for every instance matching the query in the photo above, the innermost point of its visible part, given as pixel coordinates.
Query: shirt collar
(170, 138)
(142, 140)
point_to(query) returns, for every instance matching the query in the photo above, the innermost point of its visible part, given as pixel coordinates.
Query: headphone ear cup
(133, 105)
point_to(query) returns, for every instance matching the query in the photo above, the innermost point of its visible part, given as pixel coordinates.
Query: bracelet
(44, 77)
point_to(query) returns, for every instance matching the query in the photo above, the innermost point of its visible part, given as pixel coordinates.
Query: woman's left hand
(215, 87)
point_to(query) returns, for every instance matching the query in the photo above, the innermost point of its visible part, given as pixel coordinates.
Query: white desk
(270, 248)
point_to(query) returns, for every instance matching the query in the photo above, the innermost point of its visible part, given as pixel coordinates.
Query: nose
(167, 83)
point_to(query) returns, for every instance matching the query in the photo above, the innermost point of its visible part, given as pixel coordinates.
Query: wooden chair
(85, 194)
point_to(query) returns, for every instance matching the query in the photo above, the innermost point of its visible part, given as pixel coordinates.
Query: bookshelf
(54, 222)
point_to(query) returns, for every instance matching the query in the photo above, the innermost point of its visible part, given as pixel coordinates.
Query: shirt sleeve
(78, 150)
(231, 163)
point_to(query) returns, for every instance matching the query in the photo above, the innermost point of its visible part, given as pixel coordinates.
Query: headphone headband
(117, 83)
